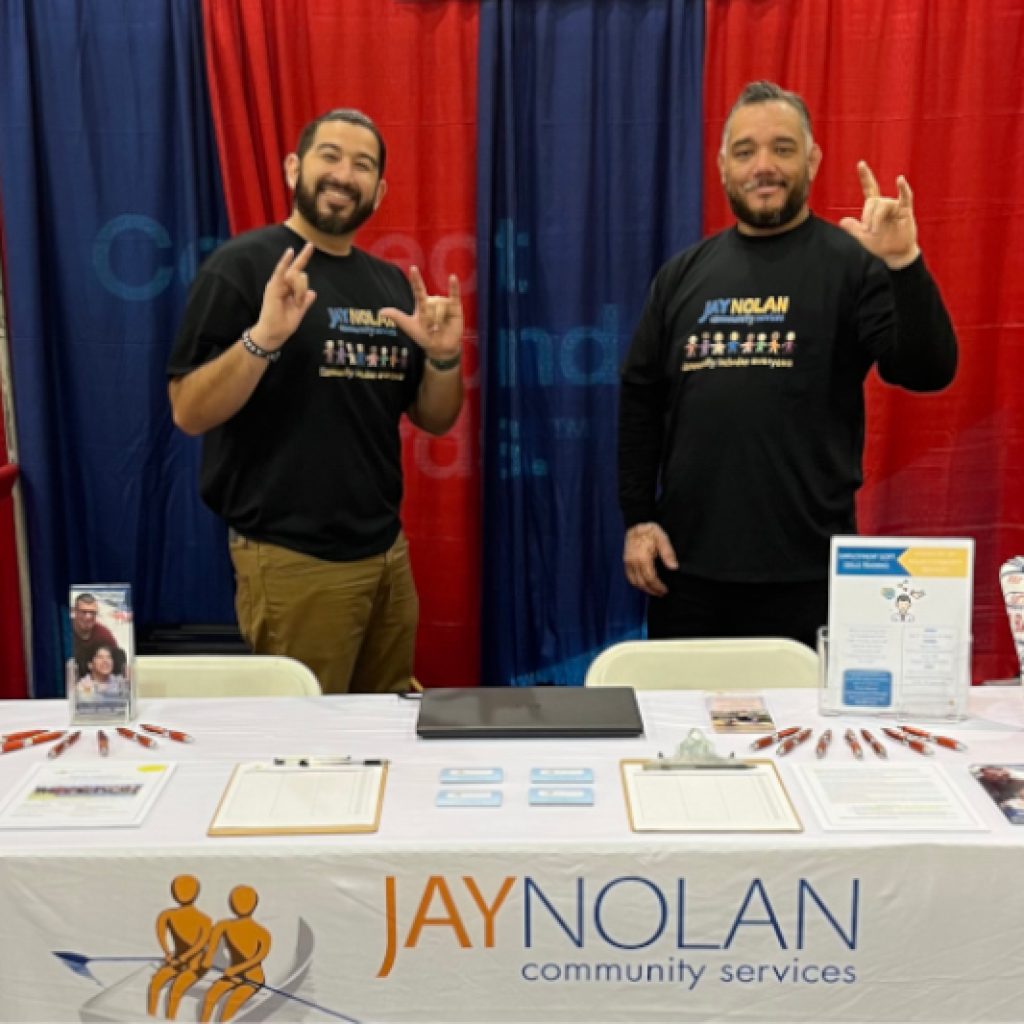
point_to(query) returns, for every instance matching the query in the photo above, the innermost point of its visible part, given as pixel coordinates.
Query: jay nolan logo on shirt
(749, 310)
(368, 346)
(712, 350)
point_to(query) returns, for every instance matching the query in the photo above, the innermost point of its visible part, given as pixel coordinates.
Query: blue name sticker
(547, 776)
(462, 776)
(468, 798)
(580, 796)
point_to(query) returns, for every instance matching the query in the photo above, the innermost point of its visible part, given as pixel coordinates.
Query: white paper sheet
(888, 797)
(85, 796)
(708, 800)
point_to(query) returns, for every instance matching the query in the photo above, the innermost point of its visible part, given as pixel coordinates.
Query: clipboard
(707, 798)
(308, 798)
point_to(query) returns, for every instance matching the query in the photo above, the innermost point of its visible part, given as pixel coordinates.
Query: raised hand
(435, 323)
(286, 299)
(886, 227)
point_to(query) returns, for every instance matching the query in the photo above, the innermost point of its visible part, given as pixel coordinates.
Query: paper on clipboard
(263, 798)
(708, 799)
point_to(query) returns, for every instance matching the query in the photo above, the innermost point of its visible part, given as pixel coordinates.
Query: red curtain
(933, 91)
(13, 681)
(274, 66)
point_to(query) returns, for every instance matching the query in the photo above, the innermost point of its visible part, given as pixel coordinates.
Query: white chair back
(223, 675)
(730, 663)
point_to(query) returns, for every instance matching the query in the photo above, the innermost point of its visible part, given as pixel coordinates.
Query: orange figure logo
(183, 933)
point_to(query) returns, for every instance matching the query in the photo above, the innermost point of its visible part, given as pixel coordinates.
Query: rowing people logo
(205, 969)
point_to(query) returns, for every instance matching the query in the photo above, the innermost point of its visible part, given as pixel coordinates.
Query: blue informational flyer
(465, 776)
(554, 776)
(468, 798)
(563, 796)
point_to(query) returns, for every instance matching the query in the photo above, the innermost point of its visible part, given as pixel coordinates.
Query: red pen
(23, 735)
(767, 741)
(102, 742)
(822, 748)
(916, 745)
(874, 744)
(943, 741)
(129, 734)
(171, 734)
(30, 741)
(794, 741)
(855, 747)
(68, 741)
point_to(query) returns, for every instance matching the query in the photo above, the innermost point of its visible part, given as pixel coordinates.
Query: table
(520, 913)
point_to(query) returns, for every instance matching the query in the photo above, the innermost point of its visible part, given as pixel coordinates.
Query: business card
(468, 798)
(581, 796)
(549, 776)
(462, 776)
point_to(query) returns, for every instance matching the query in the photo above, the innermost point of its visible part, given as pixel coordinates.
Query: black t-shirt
(312, 461)
(742, 394)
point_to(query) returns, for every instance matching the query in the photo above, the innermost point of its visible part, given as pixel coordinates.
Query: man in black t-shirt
(741, 426)
(301, 448)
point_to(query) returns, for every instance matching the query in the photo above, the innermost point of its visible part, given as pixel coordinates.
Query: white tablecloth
(520, 913)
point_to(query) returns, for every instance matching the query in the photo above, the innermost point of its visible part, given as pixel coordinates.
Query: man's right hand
(286, 300)
(646, 542)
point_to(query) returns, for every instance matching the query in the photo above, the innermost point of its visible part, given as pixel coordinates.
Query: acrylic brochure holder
(898, 640)
(938, 696)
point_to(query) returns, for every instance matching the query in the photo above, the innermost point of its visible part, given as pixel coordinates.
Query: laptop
(510, 712)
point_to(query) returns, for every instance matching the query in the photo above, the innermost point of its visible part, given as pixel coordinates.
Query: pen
(312, 762)
(877, 747)
(68, 741)
(822, 748)
(102, 742)
(24, 734)
(30, 741)
(917, 745)
(794, 741)
(767, 741)
(851, 741)
(130, 734)
(171, 734)
(943, 741)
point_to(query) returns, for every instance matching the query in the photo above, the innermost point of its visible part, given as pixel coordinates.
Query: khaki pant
(352, 623)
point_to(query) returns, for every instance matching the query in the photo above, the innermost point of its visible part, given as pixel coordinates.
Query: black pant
(697, 607)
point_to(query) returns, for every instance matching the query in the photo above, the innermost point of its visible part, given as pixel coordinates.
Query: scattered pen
(775, 737)
(874, 744)
(943, 741)
(851, 741)
(68, 741)
(793, 741)
(822, 748)
(23, 735)
(30, 741)
(102, 742)
(917, 745)
(171, 734)
(135, 737)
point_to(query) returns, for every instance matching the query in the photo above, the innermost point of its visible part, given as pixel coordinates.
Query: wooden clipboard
(759, 801)
(267, 799)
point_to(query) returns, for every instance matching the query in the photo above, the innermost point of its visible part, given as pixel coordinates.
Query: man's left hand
(435, 323)
(886, 228)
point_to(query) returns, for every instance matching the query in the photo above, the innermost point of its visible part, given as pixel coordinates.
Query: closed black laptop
(508, 712)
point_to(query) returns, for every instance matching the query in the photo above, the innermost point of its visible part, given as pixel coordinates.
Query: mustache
(763, 180)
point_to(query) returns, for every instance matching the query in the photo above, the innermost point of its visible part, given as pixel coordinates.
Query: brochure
(1004, 783)
(739, 712)
(100, 671)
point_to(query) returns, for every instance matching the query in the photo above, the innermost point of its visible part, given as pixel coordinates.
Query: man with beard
(301, 457)
(734, 472)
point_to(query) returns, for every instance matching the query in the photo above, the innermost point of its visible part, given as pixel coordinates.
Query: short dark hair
(85, 599)
(763, 91)
(349, 116)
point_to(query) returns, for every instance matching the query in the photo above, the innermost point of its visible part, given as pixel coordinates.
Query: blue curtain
(111, 195)
(590, 122)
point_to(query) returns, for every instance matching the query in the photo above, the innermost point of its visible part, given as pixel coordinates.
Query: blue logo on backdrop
(136, 259)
